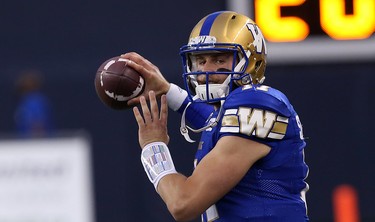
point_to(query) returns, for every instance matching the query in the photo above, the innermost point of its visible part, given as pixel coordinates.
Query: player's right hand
(154, 79)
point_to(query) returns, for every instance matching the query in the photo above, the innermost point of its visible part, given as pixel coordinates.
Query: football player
(250, 159)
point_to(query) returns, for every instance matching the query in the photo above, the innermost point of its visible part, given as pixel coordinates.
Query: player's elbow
(182, 211)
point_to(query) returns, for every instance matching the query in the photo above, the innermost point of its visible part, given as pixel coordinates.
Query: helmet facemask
(212, 92)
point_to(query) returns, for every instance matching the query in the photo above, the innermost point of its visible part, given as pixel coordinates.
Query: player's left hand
(153, 124)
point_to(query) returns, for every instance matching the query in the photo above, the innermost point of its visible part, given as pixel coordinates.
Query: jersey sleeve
(259, 113)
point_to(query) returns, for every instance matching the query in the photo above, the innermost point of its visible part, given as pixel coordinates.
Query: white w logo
(258, 37)
(256, 122)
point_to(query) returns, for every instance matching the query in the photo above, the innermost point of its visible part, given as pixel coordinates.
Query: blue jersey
(274, 187)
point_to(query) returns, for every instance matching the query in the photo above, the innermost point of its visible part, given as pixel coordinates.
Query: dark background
(68, 40)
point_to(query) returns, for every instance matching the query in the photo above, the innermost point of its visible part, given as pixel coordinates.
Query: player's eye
(220, 61)
(201, 62)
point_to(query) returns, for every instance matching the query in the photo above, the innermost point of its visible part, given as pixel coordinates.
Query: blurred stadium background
(334, 94)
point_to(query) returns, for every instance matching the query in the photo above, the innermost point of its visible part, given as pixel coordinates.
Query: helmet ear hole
(246, 80)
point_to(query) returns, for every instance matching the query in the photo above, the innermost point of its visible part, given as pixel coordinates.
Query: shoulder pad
(259, 97)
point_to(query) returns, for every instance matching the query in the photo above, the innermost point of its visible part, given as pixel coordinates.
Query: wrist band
(157, 161)
(175, 97)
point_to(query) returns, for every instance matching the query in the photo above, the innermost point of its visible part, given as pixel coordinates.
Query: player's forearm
(184, 196)
(179, 197)
(172, 187)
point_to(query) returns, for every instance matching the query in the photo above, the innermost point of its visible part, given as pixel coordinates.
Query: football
(116, 83)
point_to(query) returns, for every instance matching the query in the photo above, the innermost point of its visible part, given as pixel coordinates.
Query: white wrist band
(157, 161)
(175, 97)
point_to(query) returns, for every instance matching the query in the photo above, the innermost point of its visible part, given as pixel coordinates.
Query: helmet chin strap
(184, 129)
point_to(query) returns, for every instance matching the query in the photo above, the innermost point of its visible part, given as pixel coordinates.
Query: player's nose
(202, 78)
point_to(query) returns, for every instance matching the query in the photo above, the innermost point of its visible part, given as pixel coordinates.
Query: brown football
(116, 83)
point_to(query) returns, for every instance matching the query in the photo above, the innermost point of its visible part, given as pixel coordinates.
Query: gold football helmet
(224, 32)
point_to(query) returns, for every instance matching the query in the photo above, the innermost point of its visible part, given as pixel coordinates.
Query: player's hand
(154, 79)
(153, 125)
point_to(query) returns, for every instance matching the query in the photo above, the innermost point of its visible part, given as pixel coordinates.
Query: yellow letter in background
(338, 25)
(276, 28)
